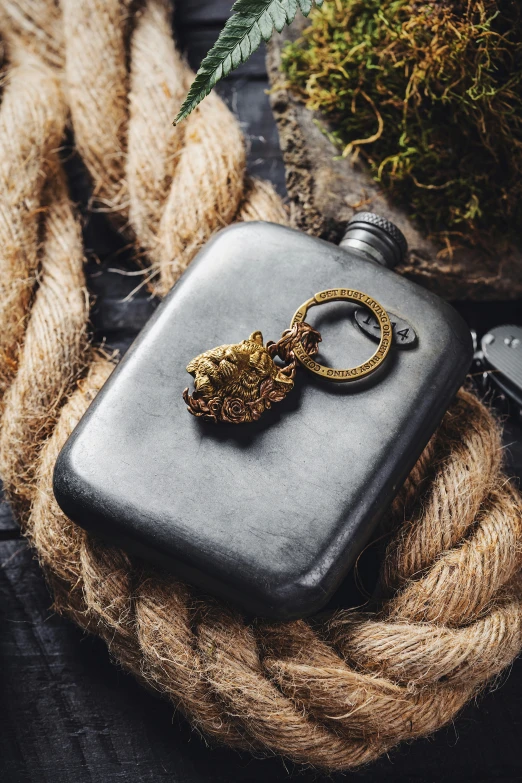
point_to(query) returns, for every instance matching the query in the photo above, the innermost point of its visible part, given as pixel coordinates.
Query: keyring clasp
(361, 370)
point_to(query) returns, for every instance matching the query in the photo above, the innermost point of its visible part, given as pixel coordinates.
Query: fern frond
(252, 21)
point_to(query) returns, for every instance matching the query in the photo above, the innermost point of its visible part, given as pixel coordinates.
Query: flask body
(269, 515)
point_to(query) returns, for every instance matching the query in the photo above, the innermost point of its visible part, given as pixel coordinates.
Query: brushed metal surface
(270, 515)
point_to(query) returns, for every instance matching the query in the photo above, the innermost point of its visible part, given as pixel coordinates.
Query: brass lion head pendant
(238, 383)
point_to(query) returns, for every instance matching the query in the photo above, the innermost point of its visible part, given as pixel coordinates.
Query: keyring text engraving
(351, 373)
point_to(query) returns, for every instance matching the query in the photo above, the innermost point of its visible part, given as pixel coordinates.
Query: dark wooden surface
(67, 713)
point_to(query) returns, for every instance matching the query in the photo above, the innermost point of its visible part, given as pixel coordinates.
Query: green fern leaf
(252, 21)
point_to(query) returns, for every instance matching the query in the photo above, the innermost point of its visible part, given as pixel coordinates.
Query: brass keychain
(237, 383)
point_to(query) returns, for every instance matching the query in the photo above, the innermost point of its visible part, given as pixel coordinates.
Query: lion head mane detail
(236, 383)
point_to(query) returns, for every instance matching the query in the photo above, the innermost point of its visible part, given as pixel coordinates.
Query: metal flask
(272, 514)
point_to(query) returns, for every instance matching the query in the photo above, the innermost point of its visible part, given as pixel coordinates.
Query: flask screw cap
(381, 236)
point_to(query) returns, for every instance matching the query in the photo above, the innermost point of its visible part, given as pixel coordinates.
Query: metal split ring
(352, 373)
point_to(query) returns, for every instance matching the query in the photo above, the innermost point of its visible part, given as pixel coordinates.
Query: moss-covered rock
(430, 94)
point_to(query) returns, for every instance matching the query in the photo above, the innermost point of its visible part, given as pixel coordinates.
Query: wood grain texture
(201, 40)
(201, 13)
(8, 524)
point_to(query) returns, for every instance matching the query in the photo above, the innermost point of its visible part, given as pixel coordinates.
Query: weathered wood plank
(8, 524)
(197, 42)
(201, 12)
(249, 101)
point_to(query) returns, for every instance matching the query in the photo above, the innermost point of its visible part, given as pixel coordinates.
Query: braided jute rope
(336, 691)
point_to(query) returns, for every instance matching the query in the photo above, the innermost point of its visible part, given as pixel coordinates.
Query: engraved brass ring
(352, 373)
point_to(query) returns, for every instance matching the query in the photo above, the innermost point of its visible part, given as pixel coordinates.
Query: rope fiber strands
(336, 691)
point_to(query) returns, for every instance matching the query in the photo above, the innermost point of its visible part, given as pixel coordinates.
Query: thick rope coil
(51, 356)
(335, 692)
(169, 188)
(32, 117)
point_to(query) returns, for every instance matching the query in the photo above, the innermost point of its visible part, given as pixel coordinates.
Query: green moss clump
(430, 95)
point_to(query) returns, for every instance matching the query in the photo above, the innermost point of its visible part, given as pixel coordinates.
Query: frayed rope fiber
(334, 692)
